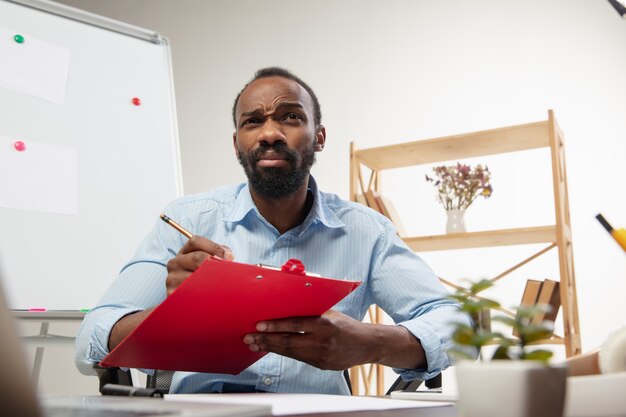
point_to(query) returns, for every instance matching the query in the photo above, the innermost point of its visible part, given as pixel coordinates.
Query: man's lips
(272, 160)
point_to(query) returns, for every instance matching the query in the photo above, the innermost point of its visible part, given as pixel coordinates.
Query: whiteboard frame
(92, 19)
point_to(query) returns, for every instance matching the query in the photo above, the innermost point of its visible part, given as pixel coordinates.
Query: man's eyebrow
(279, 106)
(289, 104)
(251, 112)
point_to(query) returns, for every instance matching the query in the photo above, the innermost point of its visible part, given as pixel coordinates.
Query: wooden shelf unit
(542, 134)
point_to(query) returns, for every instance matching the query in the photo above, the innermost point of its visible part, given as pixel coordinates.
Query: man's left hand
(332, 341)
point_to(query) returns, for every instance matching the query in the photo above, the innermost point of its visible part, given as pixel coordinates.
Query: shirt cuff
(99, 342)
(434, 348)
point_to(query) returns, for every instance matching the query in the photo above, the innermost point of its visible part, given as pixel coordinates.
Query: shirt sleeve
(405, 287)
(140, 285)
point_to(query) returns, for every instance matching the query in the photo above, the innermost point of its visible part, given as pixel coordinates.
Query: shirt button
(267, 381)
(280, 244)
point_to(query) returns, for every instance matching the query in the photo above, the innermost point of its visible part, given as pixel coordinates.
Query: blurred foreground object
(618, 234)
(610, 358)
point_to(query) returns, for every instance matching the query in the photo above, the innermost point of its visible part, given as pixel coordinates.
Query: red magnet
(19, 146)
(136, 101)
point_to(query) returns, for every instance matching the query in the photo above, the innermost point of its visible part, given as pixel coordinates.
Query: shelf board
(554, 340)
(490, 238)
(487, 142)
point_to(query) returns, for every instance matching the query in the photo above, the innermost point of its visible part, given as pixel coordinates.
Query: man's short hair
(283, 73)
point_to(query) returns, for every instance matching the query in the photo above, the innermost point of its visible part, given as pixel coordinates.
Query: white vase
(455, 223)
(511, 388)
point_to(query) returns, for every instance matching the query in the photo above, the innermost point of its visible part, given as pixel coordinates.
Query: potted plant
(518, 381)
(457, 188)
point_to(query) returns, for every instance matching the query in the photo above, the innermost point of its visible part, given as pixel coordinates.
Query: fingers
(187, 262)
(303, 324)
(201, 244)
(331, 341)
(306, 347)
(193, 254)
(292, 324)
(282, 343)
(175, 277)
(282, 335)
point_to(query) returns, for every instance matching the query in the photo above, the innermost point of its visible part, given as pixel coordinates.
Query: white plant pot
(511, 388)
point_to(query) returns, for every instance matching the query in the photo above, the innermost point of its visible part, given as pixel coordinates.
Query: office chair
(399, 384)
(161, 380)
(435, 384)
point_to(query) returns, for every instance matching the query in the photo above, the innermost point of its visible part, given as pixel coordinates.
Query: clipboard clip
(294, 266)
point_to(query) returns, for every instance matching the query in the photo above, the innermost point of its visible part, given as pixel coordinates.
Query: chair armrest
(112, 376)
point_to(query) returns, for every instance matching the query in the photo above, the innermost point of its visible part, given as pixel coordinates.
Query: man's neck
(285, 213)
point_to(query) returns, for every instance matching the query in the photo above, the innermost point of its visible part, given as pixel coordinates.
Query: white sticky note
(34, 67)
(42, 177)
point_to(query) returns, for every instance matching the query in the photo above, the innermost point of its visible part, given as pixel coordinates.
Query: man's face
(276, 138)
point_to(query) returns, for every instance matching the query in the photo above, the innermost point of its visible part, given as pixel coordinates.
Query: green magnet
(18, 38)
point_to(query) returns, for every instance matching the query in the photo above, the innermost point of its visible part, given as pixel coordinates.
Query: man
(280, 214)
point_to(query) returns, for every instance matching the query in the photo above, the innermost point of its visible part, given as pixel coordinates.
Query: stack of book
(544, 292)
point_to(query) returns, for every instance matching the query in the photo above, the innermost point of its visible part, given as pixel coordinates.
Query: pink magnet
(136, 101)
(19, 146)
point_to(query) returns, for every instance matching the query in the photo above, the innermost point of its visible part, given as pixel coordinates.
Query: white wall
(393, 71)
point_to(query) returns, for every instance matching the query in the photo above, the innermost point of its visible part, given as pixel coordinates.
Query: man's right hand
(190, 257)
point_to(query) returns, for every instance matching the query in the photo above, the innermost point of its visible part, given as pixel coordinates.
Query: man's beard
(273, 182)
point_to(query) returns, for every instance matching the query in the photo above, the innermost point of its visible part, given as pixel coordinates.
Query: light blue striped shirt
(338, 239)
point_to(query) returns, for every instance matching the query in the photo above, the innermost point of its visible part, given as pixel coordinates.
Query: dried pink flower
(459, 185)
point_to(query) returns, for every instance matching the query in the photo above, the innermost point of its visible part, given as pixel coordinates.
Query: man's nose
(271, 133)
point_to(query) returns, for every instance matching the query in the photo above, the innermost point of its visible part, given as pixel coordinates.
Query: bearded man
(279, 214)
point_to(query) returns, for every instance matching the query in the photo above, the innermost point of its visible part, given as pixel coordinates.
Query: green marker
(18, 38)
(85, 310)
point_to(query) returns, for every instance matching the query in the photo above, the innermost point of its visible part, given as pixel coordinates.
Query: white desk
(44, 338)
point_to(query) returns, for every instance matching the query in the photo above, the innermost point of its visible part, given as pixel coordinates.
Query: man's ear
(320, 138)
(235, 144)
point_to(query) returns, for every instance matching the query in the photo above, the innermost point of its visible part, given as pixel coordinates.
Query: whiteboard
(94, 170)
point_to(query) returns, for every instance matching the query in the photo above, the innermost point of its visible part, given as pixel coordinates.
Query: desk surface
(446, 411)
(290, 404)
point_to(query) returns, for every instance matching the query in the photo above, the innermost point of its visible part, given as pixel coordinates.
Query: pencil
(176, 226)
(618, 234)
(604, 223)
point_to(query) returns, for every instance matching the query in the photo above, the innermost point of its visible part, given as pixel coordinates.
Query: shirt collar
(320, 211)
(242, 206)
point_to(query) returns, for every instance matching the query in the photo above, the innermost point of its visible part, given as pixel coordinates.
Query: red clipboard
(201, 325)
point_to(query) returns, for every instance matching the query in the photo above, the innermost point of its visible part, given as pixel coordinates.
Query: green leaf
(482, 338)
(471, 307)
(509, 321)
(534, 332)
(542, 355)
(500, 338)
(488, 304)
(531, 311)
(479, 286)
(476, 306)
(502, 352)
(463, 335)
(458, 297)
